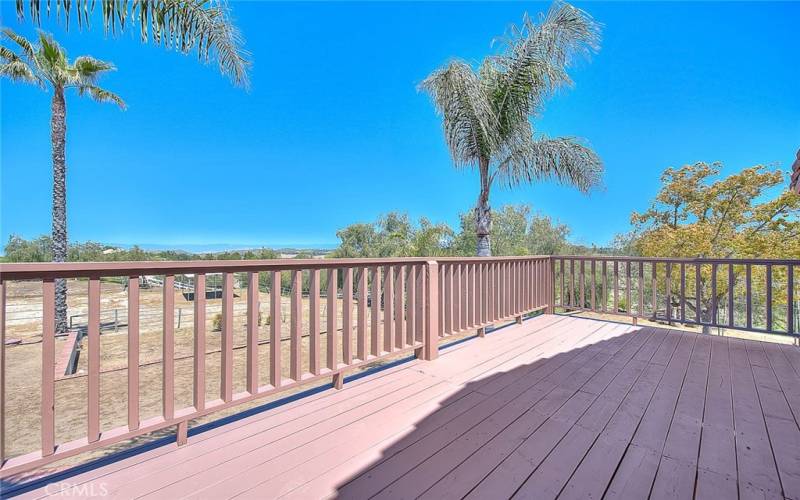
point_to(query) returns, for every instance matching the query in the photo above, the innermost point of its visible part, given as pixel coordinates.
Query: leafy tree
(548, 237)
(19, 249)
(694, 215)
(486, 110)
(697, 214)
(46, 64)
(202, 26)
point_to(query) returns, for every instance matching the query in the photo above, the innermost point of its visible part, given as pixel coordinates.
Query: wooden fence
(756, 295)
(411, 304)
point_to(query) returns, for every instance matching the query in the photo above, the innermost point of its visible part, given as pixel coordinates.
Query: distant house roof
(794, 185)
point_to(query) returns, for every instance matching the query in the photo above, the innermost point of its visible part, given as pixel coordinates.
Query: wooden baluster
(769, 297)
(168, 350)
(668, 291)
(518, 286)
(605, 285)
(456, 271)
(361, 332)
(347, 316)
(498, 291)
(419, 329)
(93, 361)
(683, 292)
(628, 302)
(252, 332)
(275, 331)
(464, 281)
(314, 327)
(594, 285)
(640, 285)
(616, 287)
(572, 283)
(333, 317)
(730, 295)
(490, 293)
(698, 292)
(789, 299)
(48, 366)
(375, 313)
(583, 284)
(399, 309)
(411, 305)
(447, 273)
(748, 294)
(561, 301)
(226, 340)
(388, 309)
(200, 341)
(714, 305)
(296, 327)
(654, 283)
(133, 353)
(442, 300)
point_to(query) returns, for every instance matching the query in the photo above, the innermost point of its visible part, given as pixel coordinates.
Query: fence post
(430, 350)
(550, 284)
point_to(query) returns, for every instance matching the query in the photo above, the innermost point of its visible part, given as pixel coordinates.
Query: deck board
(558, 407)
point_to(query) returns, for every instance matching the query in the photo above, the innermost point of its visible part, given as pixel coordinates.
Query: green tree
(201, 26)
(697, 214)
(486, 111)
(46, 64)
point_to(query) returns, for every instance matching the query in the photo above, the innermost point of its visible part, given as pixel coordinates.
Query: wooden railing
(756, 295)
(477, 293)
(374, 308)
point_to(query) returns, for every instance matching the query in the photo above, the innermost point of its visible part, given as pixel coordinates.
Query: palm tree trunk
(483, 213)
(58, 137)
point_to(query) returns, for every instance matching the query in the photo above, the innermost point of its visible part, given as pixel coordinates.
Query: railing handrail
(686, 260)
(35, 270)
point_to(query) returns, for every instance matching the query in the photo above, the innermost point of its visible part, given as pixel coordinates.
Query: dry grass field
(24, 361)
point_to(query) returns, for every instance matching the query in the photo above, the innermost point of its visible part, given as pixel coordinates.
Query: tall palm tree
(204, 26)
(46, 64)
(486, 111)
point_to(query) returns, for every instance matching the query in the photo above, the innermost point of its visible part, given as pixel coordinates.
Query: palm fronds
(47, 62)
(204, 26)
(468, 120)
(486, 113)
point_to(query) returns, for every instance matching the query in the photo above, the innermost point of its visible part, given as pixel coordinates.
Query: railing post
(430, 350)
(550, 286)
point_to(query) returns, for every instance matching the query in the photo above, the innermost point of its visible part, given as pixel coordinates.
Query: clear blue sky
(334, 132)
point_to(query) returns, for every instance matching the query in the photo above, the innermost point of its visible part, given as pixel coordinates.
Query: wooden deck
(555, 407)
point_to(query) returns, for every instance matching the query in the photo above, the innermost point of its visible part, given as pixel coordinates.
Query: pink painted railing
(756, 295)
(411, 304)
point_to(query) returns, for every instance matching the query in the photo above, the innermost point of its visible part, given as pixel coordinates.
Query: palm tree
(486, 111)
(204, 26)
(46, 64)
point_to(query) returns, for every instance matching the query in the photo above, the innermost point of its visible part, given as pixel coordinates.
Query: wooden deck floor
(555, 407)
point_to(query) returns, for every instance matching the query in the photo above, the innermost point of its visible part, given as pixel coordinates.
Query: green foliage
(394, 235)
(39, 249)
(516, 231)
(46, 62)
(216, 322)
(186, 25)
(695, 214)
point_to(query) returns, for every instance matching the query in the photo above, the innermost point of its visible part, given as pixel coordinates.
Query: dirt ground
(23, 370)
